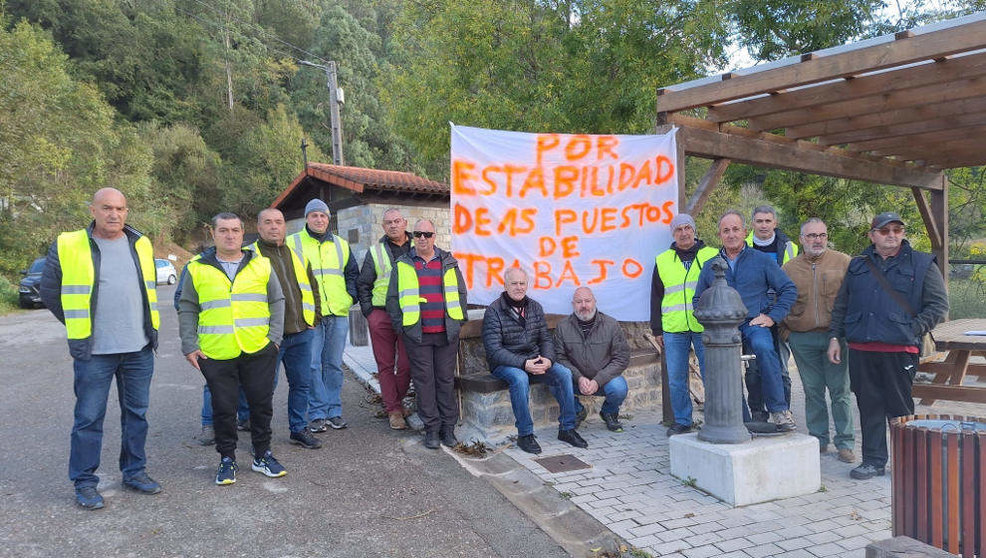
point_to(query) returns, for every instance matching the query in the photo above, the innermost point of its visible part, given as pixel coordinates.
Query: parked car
(28, 291)
(165, 272)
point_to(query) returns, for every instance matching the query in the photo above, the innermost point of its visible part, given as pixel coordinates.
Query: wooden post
(939, 209)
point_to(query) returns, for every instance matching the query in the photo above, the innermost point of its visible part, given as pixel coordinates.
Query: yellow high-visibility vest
(410, 299)
(328, 260)
(790, 249)
(382, 266)
(78, 279)
(677, 314)
(234, 316)
(300, 268)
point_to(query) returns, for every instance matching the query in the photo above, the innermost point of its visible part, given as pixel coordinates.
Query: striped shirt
(431, 289)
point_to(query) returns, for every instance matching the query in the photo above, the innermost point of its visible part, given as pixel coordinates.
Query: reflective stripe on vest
(677, 314)
(234, 318)
(328, 260)
(410, 299)
(78, 279)
(381, 264)
(301, 279)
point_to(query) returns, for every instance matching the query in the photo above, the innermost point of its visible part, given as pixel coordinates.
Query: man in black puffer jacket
(518, 346)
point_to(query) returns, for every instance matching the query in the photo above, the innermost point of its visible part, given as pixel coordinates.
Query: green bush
(8, 295)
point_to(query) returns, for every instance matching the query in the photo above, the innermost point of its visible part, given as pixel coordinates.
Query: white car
(165, 272)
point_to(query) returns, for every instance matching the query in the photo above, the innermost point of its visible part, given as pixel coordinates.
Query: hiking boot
(783, 420)
(846, 455)
(572, 437)
(337, 423)
(580, 416)
(267, 465)
(208, 436)
(243, 425)
(529, 444)
(678, 428)
(866, 471)
(142, 483)
(318, 425)
(397, 421)
(431, 440)
(759, 416)
(88, 497)
(612, 422)
(304, 439)
(447, 437)
(226, 474)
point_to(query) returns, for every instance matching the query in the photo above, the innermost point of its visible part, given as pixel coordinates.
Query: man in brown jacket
(818, 274)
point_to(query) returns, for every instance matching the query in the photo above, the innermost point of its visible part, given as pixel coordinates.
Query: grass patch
(966, 299)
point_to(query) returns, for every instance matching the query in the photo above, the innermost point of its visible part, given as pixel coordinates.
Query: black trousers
(255, 373)
(433, 374)
(882, 384)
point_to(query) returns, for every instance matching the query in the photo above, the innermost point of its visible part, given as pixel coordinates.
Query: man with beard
(592, 345)
(518, 347)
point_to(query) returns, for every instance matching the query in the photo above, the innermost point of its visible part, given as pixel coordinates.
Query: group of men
(822, 304)
(285, 299)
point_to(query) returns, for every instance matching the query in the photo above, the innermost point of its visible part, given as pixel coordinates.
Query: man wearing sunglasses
(426, 301)
(892, 295)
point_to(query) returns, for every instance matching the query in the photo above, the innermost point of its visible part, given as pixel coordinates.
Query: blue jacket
(758, 279)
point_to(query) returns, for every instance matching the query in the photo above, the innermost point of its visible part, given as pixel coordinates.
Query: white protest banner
(571, 209)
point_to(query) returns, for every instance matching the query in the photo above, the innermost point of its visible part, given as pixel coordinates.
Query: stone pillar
(720, 310)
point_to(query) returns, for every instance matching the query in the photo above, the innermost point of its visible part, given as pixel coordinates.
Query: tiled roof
(376, 179)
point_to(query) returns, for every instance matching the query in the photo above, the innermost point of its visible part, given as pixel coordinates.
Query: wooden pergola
(897, 109)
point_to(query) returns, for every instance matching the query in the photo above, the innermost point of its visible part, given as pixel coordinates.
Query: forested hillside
(194, 106)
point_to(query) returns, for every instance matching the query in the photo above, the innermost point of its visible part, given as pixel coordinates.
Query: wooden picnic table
(949, 372)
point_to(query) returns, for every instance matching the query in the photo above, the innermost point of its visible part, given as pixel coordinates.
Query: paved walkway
(629, 489)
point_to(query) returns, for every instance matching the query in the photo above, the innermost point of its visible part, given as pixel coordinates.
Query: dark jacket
(601, 355)
(393, 298)
(51, 290)
(864, 312)
(657, 285)
(368, 272)
(757, 278)
(508, 342)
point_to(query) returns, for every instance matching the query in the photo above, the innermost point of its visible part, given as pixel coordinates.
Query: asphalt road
(368, 492)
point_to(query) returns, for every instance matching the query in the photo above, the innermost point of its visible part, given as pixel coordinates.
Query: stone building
(357, 198)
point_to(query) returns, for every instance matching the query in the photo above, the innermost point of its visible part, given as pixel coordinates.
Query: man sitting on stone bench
(518, 345)
(592, 345)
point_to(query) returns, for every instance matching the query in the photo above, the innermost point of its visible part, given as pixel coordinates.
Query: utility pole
(335, 99)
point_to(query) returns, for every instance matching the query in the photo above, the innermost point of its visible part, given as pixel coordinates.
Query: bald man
(109, 336)
(593, 346)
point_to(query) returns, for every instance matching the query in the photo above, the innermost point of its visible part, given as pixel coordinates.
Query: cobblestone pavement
(629, 488)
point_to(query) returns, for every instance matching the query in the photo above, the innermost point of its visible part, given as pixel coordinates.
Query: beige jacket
(818, 280)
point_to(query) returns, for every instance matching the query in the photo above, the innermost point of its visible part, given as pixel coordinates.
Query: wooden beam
(907, 98)
(888, 118)
(949, 393)
(939, 210)
(957, 162)
(793, 156)
(930, 223)
(931, 150)
(924, 133)
(951, 69)
(706, 186)
(928, 46)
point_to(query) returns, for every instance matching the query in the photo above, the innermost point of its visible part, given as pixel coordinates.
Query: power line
(221, 27)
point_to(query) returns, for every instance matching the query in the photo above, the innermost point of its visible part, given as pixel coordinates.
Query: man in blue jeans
(518, 347)
(753, 274)
(593, 346)
(109, 336)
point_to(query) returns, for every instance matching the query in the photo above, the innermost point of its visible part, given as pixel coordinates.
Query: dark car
(30, 297)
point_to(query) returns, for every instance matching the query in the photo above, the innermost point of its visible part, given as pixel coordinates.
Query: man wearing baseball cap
(672, 319)
(891, 296)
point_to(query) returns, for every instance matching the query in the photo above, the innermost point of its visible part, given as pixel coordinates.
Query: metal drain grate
(562, 463)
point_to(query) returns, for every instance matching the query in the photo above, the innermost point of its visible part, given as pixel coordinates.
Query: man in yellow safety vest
(113, 335)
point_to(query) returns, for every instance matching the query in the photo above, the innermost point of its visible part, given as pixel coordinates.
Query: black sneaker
(580, 416)
(432, 440)
(142, 483)
(678, 428)
(337, 423)
(612, 422)
(267, 465)
(226, 474)
(243, 425)
(529, 444)
(759, 416)
(208, 436)
(318, 425)
(447, 437)
(88, 497)
(305, 440)
(867, 471)
(572, 437)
